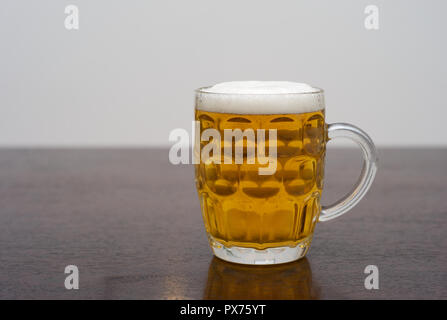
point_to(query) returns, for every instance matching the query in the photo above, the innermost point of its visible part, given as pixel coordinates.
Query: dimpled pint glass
(261, 152)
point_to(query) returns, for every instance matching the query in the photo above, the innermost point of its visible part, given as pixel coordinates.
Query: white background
(126, 77)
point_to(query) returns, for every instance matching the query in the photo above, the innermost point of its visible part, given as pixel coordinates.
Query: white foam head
(260, 97)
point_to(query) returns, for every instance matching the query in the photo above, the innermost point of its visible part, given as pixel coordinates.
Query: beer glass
(259, 167)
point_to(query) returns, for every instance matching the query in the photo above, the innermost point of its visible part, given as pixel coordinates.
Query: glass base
(260, 257)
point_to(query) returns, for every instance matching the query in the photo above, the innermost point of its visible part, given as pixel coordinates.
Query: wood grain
(131, 222)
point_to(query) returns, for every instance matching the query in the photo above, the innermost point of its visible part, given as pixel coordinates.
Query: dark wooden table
(131, 222)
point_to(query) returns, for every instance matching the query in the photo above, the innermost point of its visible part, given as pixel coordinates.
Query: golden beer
(243, 208)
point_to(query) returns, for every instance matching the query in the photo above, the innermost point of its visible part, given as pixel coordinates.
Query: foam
(260, 97)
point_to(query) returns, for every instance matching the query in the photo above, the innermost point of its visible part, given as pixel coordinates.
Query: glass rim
(201, 90)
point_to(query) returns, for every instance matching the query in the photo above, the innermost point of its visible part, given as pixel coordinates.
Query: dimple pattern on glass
(242, 208)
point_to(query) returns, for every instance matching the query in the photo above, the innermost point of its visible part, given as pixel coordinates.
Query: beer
(245, 209)
(258, 216)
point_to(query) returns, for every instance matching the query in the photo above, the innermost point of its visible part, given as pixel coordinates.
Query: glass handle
(366, 178)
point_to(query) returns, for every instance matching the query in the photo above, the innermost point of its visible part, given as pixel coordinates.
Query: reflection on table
(285, 281)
